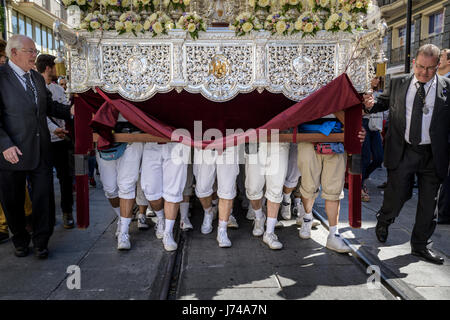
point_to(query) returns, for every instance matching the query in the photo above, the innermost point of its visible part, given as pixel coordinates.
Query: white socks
(223, 225)
(117, 211)
(309, 216)
(208, 210)
(259, 213)
(271, 222)
(169, 226)
(333, 230)
(124, 224)
(184, 210)
(287, 197)
(160, 214)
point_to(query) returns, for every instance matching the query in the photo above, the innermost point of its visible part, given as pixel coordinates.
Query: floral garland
(318, 5)
(278, 24)
(355, 6)
(129, 22)
(245, 23)
(177, 4)
(158, 23)
(193, 23)
(339, 21)
(260, 4)
(95, 21)
(140, 5)
(291, 4)
(116, 5)
(308, 23)
(84, 5)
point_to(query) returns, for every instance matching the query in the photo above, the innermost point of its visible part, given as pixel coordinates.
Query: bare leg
(115, 202)
(171, 210)
(126, 208)
(332, 209)
(225, 207)
(272, 209)
(157, 205)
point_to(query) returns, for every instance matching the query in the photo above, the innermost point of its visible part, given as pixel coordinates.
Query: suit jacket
(22, 124)
(394, 99)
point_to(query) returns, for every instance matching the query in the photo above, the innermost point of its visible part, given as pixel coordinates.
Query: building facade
(33, 18)
(430, 23)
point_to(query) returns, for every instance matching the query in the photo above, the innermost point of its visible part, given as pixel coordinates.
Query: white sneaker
(258, 226)
(142, 222)
(279, 225)
(159, 228)
(207, 223)
(250, 213)
(271, 240)
(286, 210)
(118, 227)
(185, 224)
(150, 213)
(222, 238)
(123, 241)
(305, 230)
(335, 243)
(232, 223)
(169, 243)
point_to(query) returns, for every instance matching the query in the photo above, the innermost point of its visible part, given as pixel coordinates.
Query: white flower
(138, 27)
(166, 3)
(309, 27)
(328, 25)
(105, 26)
(359, 4)
(334, 17)
(251, 3)
(153, 17)
(95, 25)
(311, 3)
(119, 25)
(247, 27)
(84, 25)
(67, 2)
(263, 3)
(147, 24)
(125, 3)
(347, 7)
(156, 2)
(324, 3)
(343, 25)
(186, 2)
(298, 24)
(191, 27)
(169, 26)
(281, 26)
(81, 2)
(128, 26)
(157, 27)
(293, 2)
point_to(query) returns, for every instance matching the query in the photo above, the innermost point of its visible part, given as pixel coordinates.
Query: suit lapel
(403, 89)
(17, 83)
(439, 101)
(36, 84)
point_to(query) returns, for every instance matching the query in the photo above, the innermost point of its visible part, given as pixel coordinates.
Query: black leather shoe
(68, 220)
(21, 252)
(381, 230)
(41, 253)
(428, 255)
(3, 237)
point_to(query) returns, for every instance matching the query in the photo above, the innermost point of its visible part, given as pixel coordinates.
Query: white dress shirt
(20, 75)
(429, 103)
(58, 95)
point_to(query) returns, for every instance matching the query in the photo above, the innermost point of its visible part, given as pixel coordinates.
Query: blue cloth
(372, 151)
(326, 128)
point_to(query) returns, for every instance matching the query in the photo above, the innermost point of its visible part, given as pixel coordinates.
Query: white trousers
(164, 171)
(208, 165)
(119, 177)
(266, 167)
(293, 173)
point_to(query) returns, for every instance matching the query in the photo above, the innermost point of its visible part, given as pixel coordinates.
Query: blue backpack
(113, 153)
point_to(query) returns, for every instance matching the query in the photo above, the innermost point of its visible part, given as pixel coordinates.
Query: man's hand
(369, 101)
(12, 154)
(362, 135)
(60, 132)
(72, 110)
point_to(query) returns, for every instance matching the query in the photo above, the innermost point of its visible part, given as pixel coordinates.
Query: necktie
(415, 131)
(30, 89)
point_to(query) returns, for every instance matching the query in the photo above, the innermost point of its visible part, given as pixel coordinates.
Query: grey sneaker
(142, 222)
(286, 210)
(118, 227)
(232, 223)
(207, 223)
(159, 228)
(305, 230)
(185, 224)
(222, 238)
(250, 213)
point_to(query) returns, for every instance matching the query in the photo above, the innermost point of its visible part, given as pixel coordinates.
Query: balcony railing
(435, 39)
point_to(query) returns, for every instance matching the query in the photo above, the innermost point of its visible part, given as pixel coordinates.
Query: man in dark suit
(25, 103)
(416, 144)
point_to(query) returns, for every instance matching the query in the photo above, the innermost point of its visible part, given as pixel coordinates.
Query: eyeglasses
(31, 51)
(428, 69)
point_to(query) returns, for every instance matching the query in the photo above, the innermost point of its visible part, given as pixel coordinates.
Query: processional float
(261, 64)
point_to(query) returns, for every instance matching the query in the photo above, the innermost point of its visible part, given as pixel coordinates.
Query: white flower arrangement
(117, 5)
(278, 24)
(158, 23)
(355, 6)
(176, 4)
(339, 21)
(192, 23)
(287, 5)
(318, 5)
(140, 5)
(260, 4)
(84, 5)
(129, 22)
(245, 23)
(95, 21)
(308, 23)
